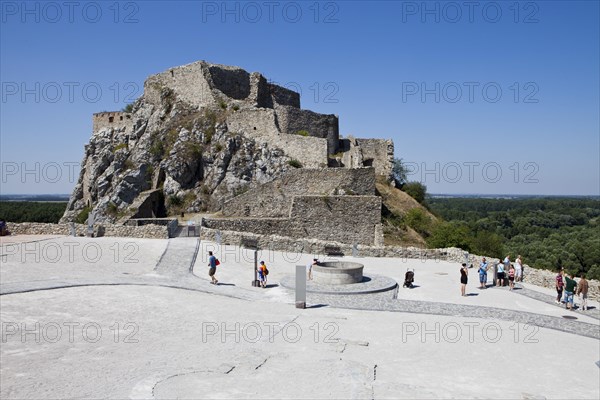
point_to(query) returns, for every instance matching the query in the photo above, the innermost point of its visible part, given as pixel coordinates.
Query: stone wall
(202, 84)
(547, 279)
(356, 153)
(187, 81)
(143, 232)
(351, 155)
(115, 120)
(274, 199)
(318, 247)
(378, 153)
(261, 125)
(326, 126)
(346, 219)
(284, 96)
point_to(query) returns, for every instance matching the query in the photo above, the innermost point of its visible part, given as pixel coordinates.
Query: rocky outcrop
(200, 134)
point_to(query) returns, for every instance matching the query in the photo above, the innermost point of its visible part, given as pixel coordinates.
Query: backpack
(266, 271)
(217, 262)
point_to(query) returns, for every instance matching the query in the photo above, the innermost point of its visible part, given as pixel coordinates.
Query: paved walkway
(548, 299)
(385, 302)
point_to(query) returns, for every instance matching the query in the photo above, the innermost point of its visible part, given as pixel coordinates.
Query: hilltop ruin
(205, 138)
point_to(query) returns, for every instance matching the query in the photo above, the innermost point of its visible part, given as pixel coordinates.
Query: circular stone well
(337, 272)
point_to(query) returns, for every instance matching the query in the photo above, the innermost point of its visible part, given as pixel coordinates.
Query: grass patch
(294, 163)
(120, 146)
(128, 164)
(83, 215)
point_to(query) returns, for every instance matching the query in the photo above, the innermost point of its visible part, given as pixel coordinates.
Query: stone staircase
(179, 257)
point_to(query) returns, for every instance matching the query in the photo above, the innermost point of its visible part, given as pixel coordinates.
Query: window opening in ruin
(111, 119)
(368, 162)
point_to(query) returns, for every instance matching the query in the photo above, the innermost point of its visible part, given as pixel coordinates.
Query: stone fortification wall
(116, 120)
(203, 85)
(351, 155)
(142, 232)
(283, 96)
(319, 247)
(378, 153)
(292, 120)
(261, 125)
(257, 123)
(346, 219)
(274, 199)
(187, 81)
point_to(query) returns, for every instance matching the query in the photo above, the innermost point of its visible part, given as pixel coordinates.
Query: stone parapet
(143, 232)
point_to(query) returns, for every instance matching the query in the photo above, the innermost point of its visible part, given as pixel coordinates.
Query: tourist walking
(309, 268)
(262, 274)
(483, 269)
(464, 278)
(511, 277)
(500, 273)
(582, 291)
(560, 284)
(519, 269)
(570, 285)
(212, 267)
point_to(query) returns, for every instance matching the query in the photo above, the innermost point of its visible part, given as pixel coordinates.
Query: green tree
(488, 244)
(449, 234)
(399, 172)
(418, 220)
(416, 190)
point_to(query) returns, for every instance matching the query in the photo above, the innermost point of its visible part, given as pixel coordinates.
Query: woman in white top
(518, 269)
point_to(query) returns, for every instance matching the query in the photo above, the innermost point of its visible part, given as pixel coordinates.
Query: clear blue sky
(426, 75)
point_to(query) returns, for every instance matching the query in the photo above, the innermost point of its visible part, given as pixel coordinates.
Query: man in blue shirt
(212, 268)
(483, 268)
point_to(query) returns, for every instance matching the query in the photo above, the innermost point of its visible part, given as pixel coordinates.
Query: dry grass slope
(396, 204)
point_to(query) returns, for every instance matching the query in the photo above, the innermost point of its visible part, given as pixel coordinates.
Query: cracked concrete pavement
(145, 327)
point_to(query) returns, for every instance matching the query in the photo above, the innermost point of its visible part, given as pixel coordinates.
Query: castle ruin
(325, 190)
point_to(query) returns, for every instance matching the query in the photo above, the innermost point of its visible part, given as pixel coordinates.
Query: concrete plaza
(138, 318)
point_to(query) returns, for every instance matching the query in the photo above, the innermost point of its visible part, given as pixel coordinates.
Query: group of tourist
(514, 273)
(571, 288)
(504, 270)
